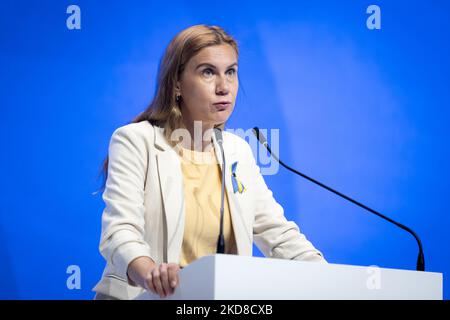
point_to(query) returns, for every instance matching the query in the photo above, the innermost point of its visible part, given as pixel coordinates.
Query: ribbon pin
(237, 184)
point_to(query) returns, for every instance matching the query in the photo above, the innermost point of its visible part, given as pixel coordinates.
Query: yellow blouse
(202, 188)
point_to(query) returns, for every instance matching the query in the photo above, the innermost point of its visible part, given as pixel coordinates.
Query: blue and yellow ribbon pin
(237, 184)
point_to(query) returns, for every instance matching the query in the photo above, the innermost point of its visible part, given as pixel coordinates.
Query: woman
(163, 193)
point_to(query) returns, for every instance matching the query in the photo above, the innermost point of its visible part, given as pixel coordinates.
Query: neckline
(197, 157)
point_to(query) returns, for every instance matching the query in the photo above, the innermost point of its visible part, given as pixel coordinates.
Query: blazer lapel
(171, 183)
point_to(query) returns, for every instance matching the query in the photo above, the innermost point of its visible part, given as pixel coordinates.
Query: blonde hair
(164, 111)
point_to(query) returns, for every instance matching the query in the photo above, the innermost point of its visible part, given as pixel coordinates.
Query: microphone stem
(221, 240)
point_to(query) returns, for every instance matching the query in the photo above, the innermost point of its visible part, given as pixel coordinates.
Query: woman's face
(209, 77)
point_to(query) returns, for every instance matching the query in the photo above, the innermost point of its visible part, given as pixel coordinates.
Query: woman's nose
(222, 86)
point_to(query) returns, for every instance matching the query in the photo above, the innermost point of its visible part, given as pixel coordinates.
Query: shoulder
(233, 138)
(142, 130)
(236, 143)
(139, 136)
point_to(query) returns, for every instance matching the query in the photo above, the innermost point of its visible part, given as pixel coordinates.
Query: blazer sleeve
(122, 238)
(273, 234)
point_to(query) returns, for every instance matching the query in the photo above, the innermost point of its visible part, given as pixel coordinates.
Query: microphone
(420, 266)
(221, 240)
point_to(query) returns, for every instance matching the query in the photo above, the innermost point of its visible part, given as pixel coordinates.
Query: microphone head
(218, 134)
(259, 136)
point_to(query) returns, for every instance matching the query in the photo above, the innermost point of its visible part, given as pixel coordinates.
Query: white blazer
(144, 212)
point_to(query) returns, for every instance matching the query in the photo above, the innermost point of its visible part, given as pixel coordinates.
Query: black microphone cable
(420, 259)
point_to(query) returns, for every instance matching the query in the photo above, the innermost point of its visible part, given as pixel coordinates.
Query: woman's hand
(159, 279)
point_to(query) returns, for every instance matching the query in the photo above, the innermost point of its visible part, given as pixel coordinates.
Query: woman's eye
(232, 71)
(207, 72)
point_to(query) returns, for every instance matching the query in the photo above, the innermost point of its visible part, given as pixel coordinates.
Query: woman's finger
(165, 279)
(157, 283)
(173, 270)
(148, 283)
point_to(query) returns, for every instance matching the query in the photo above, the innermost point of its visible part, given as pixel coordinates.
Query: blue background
(365, 111)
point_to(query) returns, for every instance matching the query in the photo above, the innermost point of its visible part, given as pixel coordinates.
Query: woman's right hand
(160, 279)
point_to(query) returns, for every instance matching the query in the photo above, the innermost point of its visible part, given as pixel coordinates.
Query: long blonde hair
(164, 111)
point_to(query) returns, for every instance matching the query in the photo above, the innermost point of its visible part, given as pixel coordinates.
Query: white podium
(231, 277)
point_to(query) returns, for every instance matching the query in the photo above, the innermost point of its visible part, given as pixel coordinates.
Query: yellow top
(202, 190)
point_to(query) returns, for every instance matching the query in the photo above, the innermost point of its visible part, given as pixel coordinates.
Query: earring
(177, 98)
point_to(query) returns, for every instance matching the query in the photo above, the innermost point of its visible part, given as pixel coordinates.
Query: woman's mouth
(221, 106)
